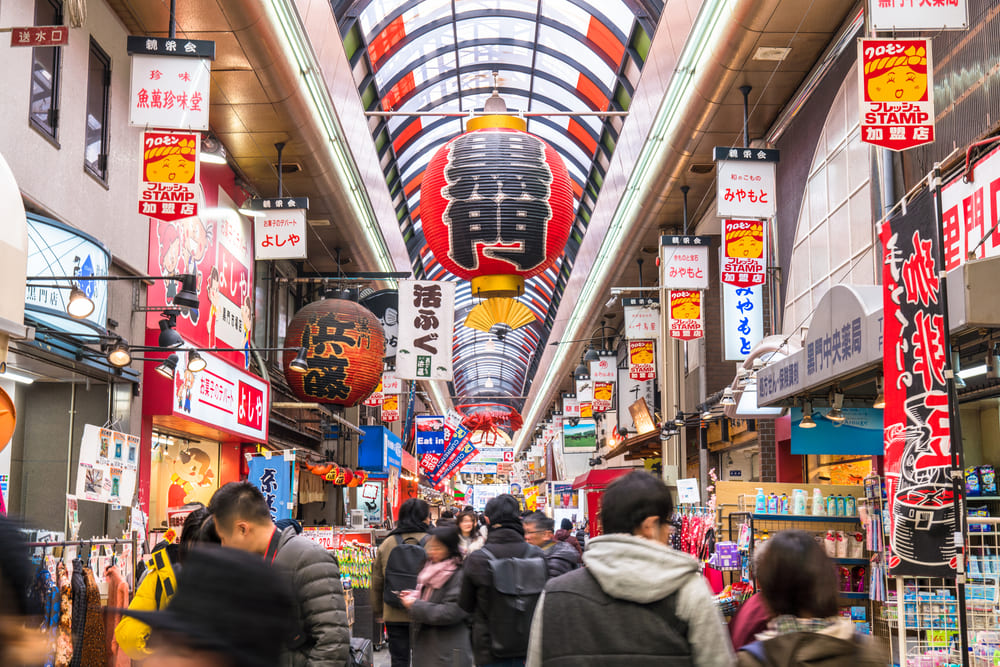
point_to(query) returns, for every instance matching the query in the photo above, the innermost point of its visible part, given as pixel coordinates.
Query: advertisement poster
(742, 320)
(684, 262)
(273, 476)
(642, 359)
(170, 92)
(604, 396)
(215, 248)
(429, 434)
(686, 315)
(371, 502)
(183, 472)
(108, 464)
(169, 179)
(917, 413)
(458, 439)
(581, 436)
(390, 408)
(896, 83)
(426, 330)
(642, 317)
(744, 263)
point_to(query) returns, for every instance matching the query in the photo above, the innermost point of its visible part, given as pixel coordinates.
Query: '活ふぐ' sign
(897, 105)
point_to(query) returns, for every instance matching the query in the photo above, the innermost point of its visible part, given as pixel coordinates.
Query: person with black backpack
(636, 602)
(501, 586)
(397, 563)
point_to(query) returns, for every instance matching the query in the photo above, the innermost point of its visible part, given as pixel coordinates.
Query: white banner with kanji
(426, 330)
(170, 92)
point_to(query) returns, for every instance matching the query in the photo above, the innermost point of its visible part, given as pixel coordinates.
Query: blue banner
(467, 451)
(274, 479)
(860, 434)
(461, 434)
(429, 434)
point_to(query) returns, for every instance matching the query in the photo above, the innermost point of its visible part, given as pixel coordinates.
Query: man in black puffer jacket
(323, 637)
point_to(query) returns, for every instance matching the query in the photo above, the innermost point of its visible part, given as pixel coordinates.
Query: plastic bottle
(851, 506)
(760, 504)
(785, 504)
(817, 508)
(799, 502)
(772, 504)
(841, 506)
(831, 505)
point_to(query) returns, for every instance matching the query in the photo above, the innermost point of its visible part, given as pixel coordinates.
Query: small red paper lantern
(344, 349)
(496, 205)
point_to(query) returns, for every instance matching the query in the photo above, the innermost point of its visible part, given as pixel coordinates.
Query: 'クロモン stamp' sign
(896, 83)
(168, 184)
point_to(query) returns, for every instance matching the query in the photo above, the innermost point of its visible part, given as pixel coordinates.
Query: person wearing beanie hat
(505, 540)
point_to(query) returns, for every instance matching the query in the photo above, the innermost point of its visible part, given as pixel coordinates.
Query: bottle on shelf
(784, 504)
(851, 506)
(831, 505)
(772, 504)
(760, 504)
(841, 506)
(817, 506)
(799, 501)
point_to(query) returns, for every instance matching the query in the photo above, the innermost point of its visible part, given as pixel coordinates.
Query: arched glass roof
(551, 56)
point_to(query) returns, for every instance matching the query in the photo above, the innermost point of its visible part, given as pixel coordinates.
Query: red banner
(743, 260)
(917, 428)
(685, 315)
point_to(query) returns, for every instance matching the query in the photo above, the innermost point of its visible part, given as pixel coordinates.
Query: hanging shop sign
(273, 474)
(896, 82)
(686, 315)
(429, 435)
(631, 390)
(222, 396)
(570, 406)
(452, 421)
(684, 262)
(391, 384)
(604, 395)
(371, 502)
(895, 15)
(390, 408)
(465, 453)
(744, 262)
(42, 35)
(169, 183)
(970, 209)
(374, 400)
(53, 249)
(379, 450)
(642, 318)
(385, 305)
(216, 247)
(604, 369)
(583, 436)
(917, 429)
(642, 359)
(108, 464)
(344, 350)
(426, 330)
(280, 227)
(742, 320)
(746, 183)
(585, 398)
(170, 92)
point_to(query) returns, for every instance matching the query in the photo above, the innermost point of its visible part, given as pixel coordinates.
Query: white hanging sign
(742, 320)
(426, 330)
(684, 262)
(170, 92)
(894, 15)
(280, 234)
(604, 369)
(746, 189)
(571, 406)
(391, 384)
(642, 318)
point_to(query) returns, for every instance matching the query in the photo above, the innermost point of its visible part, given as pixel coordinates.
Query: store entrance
(184, 469)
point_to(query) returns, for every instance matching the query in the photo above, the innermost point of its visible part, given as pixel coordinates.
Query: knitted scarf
(434, 576)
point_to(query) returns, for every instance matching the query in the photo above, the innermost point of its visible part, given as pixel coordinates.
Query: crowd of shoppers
(511, 593)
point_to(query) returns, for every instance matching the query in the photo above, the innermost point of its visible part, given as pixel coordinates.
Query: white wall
(53, 178)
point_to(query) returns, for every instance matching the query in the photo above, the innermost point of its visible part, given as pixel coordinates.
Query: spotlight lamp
(807, 418)
(679, 419)
(727, 397)
(196, 363)
(187, 297)
(581, 372)
(119, 355)
(79, 306)
(168, 335)
(299, 363)
(168, 366)
(879, 403)
(591, 355)
(836, 413)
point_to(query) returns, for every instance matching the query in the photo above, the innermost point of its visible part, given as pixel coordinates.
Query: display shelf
(852, 561)
(806, 517)
(854, 596)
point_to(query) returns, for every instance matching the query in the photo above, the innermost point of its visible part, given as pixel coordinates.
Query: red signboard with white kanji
(970, 205)
(169, 181)
(685, 315)
(743, 258)
(43, 35)
(918, 457)
(170, 92)
(896, 83)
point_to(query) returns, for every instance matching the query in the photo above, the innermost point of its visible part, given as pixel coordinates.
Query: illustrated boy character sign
(192, 478)
(685, 314)
(168, 186)
(743, 262)
(897, 101)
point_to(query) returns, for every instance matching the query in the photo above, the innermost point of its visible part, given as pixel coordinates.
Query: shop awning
(599, 479)
(642, 446)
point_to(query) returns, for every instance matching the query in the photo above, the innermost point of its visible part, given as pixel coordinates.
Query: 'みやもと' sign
(742, 320)
(685, 315)
(743, 260)
(746, 187)
(897, 107)
(169, 183)
(684, 262)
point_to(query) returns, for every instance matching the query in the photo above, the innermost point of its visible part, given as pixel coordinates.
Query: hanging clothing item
(64, 637)
(95, 649)
(117, 599)
(79, 592)
(45, 594)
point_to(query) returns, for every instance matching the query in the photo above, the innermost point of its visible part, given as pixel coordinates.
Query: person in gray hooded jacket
(637, 602)
(323, 637)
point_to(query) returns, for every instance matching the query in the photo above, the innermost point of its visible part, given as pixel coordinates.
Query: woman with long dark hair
(469, 537)
(439, 629)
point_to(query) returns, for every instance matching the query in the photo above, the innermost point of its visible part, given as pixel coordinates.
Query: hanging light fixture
(188, 294)
(836, 413)
(679, 419)
(956, 368)
(80, 305)
(591, 355)
(196, 363)
(582, 372)
(807, 419)
(119, 355)
(168, 366)
(727, 397)
(993, 363)
(879, 403)
(489, 382)
(490, 346)
(168, 335)
(299, 364)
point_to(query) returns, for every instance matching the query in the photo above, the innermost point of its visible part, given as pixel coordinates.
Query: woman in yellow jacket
(159, 583)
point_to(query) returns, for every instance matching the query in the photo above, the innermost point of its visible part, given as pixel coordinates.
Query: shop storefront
(591, 486)
(380, 454)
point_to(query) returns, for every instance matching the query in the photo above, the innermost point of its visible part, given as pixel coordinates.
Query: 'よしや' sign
(684, 262)
(280, 227)
(685, 315)
(641, 360)
(169, 183)
(743, 261)
(897, 107)
(43, 35)
(170, 92)
(426, 329)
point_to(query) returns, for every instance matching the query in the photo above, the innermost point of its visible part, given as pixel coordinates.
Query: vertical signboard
(426, 329)
(170, 92)
(897, 102)
(280, 228)
(390, 408)
(918, 459)
(642, 317)
(571, 406)
(273, 476)
(744, 262)
(742, 320)
(684, 262)
(604, 395)
(604, 369)
(642, 359)
(169, 181)
(685, 315)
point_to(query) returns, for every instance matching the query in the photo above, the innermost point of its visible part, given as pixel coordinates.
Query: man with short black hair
(637, 602)
(243, 521)
(560, 557)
